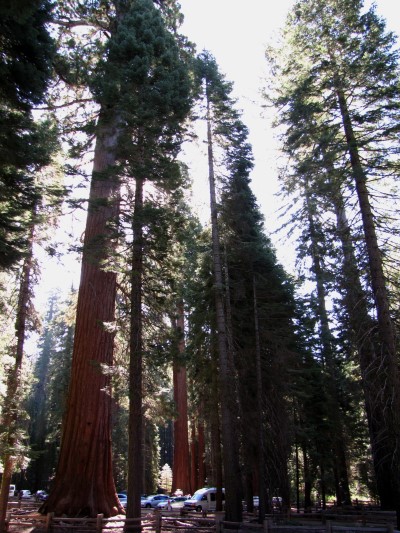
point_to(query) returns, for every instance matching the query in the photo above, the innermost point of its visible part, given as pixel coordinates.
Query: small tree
(165, 479)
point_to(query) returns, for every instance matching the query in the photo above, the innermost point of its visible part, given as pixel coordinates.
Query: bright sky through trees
(236, 34)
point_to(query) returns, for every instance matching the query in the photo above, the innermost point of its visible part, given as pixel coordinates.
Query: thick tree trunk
(233, 502)
(135, 430)
(84, 482)
(10, 413)
(180, 470)
(388, 440)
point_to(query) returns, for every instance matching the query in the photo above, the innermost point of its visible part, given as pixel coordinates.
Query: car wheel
(198, 508)
(148, 506)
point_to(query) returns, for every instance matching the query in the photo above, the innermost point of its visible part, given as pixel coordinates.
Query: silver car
(176, 502)
(154, 500)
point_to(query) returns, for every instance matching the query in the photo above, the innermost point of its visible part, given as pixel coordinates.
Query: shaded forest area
(186, 344)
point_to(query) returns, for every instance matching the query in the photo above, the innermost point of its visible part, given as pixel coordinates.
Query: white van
(203, 500)
(11, 490)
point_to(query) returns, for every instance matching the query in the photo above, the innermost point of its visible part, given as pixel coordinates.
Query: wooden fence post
(99, 523)
(49, 519)
(219, 516)
(328, 526)
(158, 521)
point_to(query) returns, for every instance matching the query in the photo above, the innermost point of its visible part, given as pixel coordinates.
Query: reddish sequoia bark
(180, 471)
(84, 482)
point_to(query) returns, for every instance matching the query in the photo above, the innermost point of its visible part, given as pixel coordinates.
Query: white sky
(236, 33)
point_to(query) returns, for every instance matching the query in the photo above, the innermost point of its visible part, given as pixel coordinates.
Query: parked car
(276, 502)
(153, 500)
(176, 502)
(256, 501)
(203, 500)
(11, 490)
(41, 495)
(24, 494)
(123, 498)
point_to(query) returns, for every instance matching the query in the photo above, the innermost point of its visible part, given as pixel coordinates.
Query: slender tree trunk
(39, 467)
(297, 477)
(194, 472)
(307, 480)
(201, 453)
(135, 429)
(388, 440)
(11, 405)
(233, 505)
(84, 482)
(338, 441)
(264, 504)
(216, 452)
(180, 471)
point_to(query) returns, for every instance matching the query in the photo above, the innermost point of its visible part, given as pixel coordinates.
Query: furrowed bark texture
(84, 482)
(135, 453)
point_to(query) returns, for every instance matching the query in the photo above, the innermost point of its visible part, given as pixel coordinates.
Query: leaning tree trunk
(363, 335)
(387, 451)
(135, 428)
(84, 482)
(11, 404)
(233, 502)
(180, 471)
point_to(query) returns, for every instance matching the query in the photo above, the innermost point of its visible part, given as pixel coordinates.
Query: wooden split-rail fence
(176, 522)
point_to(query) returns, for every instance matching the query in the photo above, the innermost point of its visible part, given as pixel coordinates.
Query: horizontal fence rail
(19, 520)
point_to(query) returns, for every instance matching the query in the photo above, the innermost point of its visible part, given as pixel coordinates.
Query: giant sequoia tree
(130, 84)
(339, 96)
